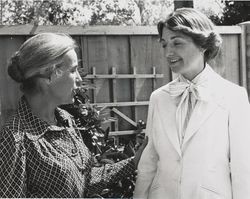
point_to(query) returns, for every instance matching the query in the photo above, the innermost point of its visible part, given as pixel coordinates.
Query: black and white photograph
(143, 99)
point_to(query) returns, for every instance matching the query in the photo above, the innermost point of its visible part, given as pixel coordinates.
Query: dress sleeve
(101, 177)
(239, 133)
(148, 162)
(12, 165)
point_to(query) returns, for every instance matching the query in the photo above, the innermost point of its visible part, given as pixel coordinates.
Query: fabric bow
(186, 93)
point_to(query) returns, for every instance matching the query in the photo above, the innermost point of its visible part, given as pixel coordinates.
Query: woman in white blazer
(198, 124)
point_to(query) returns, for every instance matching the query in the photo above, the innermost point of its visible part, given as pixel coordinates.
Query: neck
(190, 75)
(42, 107)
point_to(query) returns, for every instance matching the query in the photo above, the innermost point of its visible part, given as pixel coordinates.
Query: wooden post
(93, 81)
(243, 59)
(114, 99)
(135, 94)
(114, 95)
(154, 79)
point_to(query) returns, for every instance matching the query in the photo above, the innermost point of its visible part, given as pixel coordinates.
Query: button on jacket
(213, 161)
(41, 160)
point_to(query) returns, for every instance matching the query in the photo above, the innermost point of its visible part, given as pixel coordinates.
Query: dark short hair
(195, 25)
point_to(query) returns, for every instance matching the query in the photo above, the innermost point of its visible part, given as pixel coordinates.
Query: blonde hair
(38, 56)
(195, 25)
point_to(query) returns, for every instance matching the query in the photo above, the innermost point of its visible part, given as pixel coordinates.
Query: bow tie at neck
(186, 94)
(181, 88)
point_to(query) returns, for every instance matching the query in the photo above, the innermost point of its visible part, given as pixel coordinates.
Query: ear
(58, 72)
(44, 81)
(55, 74)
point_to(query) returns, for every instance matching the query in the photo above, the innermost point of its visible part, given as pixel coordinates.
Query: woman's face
(182, 54)
(65, 79)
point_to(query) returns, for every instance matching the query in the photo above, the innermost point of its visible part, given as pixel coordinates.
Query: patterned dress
(42, 160)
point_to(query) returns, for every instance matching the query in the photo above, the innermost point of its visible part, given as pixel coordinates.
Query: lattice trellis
(114, 103)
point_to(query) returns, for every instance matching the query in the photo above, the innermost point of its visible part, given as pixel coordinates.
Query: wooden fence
(125, 63)
(246, 50)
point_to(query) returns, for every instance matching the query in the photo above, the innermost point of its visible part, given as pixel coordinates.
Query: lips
(173, 60)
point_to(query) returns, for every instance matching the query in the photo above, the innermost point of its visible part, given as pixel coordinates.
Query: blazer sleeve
(239, 134)
(148, 162)
(12, 165)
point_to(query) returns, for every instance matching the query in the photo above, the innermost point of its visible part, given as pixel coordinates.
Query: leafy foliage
(42, 12)
(87, 12)
(152, 11)
(111, 13)
(105, 149)
(234, 12)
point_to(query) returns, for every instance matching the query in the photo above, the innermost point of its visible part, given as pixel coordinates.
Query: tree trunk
(183, 3)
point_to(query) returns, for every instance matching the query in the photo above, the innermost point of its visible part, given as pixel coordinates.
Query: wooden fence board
(231, 65)
(248, 39)
(96, 30)
(228, 68)
(9, 89)
(123, 48)
(248, 55)
(248, 73)
(159, 61)
(141, 58)
(118, 57)
(84, 54)
(97, 57)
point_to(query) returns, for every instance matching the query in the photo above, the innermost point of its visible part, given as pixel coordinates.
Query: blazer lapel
(167, 116)
(204, 109)
(200, 114)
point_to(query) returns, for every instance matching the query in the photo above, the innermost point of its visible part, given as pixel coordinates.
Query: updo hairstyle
(195, 25)
(38, 57)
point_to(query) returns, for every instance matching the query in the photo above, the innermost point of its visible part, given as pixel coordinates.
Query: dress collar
(209, 79)
(36, 127)
(203, 76)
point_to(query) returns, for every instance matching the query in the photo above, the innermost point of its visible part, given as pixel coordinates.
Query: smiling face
(65, 79)
(183, 55)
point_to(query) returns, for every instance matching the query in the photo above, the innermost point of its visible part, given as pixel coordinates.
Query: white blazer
(214, 160)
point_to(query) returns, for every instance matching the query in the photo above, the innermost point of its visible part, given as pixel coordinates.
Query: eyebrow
(173, 37)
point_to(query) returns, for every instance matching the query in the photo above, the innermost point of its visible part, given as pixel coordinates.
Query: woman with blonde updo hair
(42, 154)
(198, 124)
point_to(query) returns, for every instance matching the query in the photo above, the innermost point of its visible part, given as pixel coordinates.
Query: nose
(78, 78)
(168, 51)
